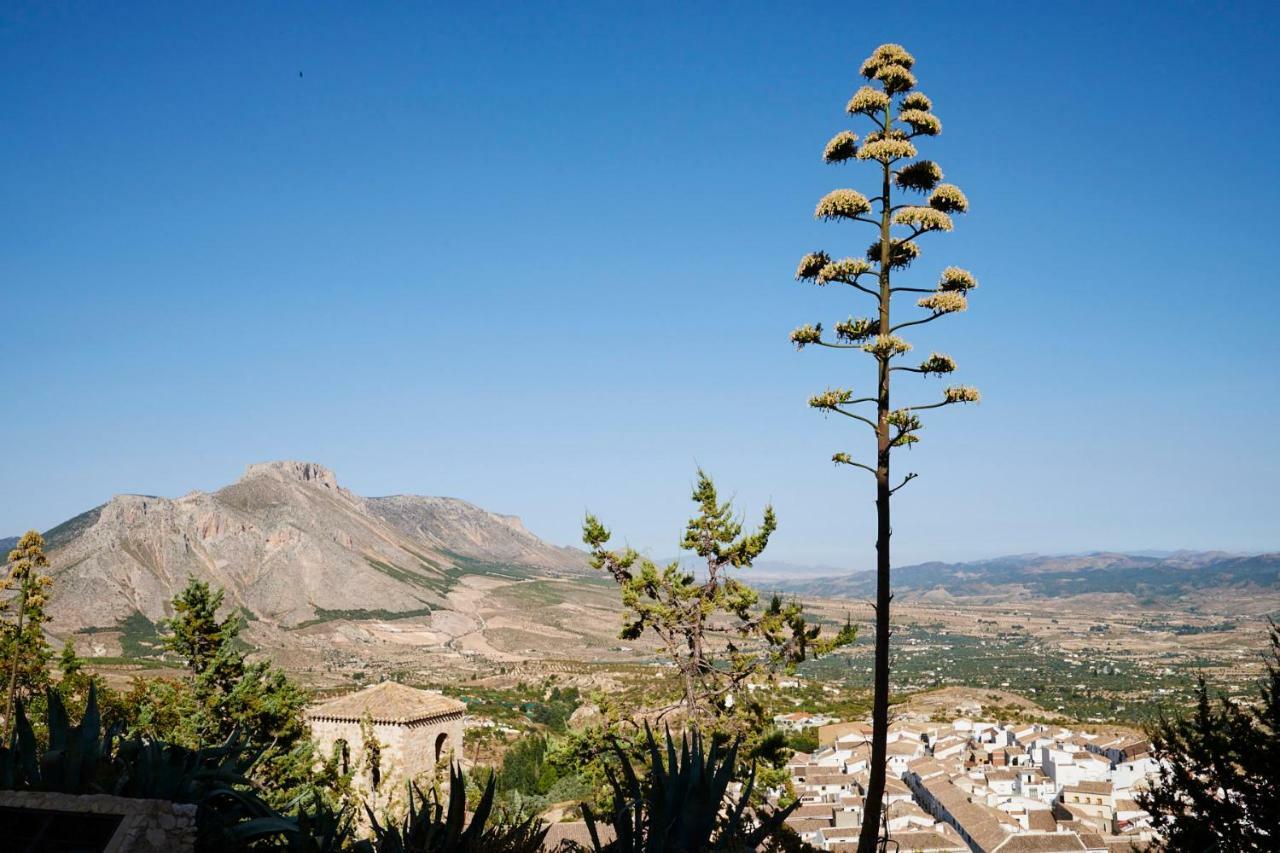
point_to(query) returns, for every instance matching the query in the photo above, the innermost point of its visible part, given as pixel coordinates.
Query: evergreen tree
(898, 116)
(226, 694)
(23, 644)
(70, 664)
(1218, 787)
(711, 627)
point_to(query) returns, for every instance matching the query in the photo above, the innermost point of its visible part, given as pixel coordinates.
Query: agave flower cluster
(900, 117)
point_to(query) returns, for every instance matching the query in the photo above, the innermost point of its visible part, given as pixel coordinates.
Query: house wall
(408, 752)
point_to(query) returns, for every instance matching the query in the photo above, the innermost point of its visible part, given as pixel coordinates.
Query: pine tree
(711, 628)
(899, 116)
(226, 694)
(70, 665)
(1218, 788)
(25, 648)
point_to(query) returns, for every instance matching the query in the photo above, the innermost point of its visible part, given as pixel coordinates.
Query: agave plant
(430, 828)
(83, 759)
(317, 827)
(683, 805)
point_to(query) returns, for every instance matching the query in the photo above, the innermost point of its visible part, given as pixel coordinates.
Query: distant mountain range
(287, 543)
(1152, 576)
(290, 546)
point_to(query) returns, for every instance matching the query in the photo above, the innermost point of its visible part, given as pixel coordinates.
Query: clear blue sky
(541, 257)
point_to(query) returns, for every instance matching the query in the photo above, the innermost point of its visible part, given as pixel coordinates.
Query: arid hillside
(290, 546)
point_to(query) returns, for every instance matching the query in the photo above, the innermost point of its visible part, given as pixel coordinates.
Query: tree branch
(866, 421)
(930, 406)
(905, 480)
(928, 319)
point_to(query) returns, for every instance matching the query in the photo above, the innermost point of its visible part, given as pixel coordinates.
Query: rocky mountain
(288, 544)
(1145, 577)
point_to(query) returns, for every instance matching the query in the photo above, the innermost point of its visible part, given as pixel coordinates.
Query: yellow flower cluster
(917, 101)
(945, 302)
(949, 199)
(811, 264)
(901, 253)
(920, 176)
(867, 101)
(906, 422)
(886, 150)
(843, 146)
(922, 122)
(962, 394)
(923, 219)
(896, 78)
(856, 329)
(806, 334)
(845, 270)
(842, 458)
(831, 398)
(937, 363)
(842, 204)
(887, 346)
(956, 279)
(904, 419)
(886, 54)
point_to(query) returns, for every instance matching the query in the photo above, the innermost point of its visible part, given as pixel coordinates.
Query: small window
(442, 741)
(342, 754)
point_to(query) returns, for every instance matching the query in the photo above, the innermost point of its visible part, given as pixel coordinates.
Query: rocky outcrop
(468, 531)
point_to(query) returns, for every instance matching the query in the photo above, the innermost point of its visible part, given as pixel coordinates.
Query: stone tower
(415, 730)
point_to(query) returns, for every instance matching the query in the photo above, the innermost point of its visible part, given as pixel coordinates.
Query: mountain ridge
(287, 542)
(1060, 576)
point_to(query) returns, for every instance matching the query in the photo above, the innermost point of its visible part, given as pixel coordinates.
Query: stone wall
(409, 751)
(146, 826)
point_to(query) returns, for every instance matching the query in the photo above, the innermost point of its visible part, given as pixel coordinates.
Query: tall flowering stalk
(899, 116)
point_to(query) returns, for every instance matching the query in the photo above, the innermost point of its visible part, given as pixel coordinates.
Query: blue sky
(541, 257)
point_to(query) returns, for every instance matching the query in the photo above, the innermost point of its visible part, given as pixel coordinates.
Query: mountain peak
(288, 469)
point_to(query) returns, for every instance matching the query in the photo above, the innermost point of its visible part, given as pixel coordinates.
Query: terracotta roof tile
(387, 702)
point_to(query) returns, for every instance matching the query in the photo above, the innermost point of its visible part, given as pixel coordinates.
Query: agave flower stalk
(900, 116)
